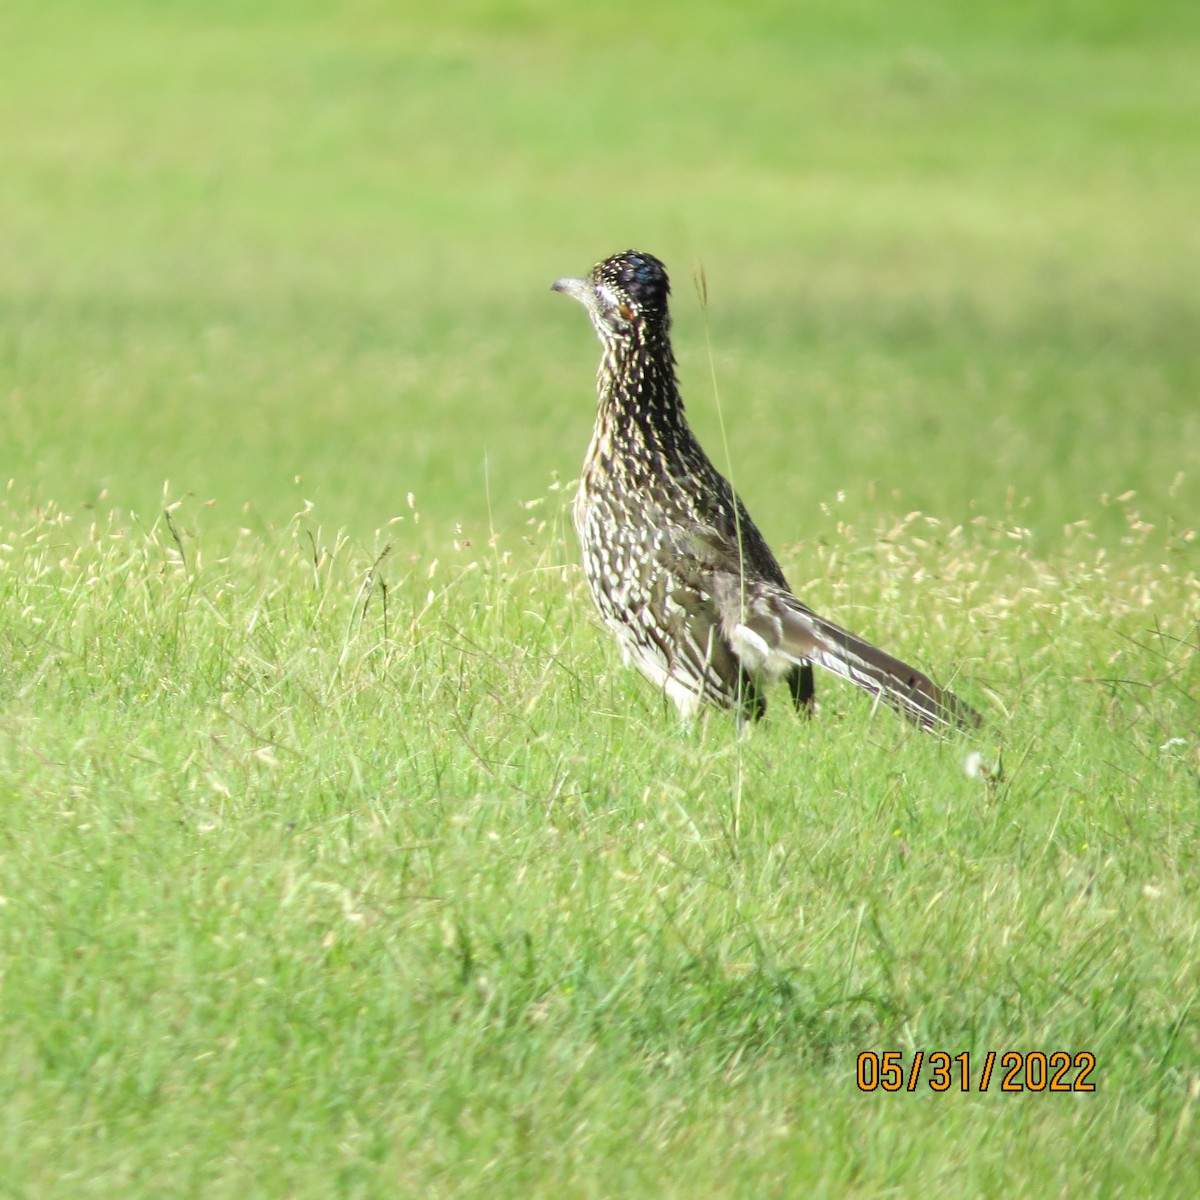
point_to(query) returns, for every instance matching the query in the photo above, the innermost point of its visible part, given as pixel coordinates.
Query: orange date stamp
(1012, 1071)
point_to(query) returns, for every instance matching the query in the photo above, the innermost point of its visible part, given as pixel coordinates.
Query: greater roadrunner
(677, 568)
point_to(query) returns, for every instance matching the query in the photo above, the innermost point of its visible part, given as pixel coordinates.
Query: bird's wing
(690, 636)
(768, 630)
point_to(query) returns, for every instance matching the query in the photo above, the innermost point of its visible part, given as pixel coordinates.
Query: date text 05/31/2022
(1012, 1071)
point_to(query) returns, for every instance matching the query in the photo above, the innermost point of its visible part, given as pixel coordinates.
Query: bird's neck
(639, 395)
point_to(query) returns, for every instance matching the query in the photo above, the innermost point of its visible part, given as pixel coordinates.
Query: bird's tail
(912, 693)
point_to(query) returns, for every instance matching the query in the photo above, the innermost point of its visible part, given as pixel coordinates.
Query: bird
(676, 566)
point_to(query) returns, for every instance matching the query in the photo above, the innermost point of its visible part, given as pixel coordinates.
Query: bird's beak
(577, 289)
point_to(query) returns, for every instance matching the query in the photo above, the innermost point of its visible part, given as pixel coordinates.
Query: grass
(341, 856)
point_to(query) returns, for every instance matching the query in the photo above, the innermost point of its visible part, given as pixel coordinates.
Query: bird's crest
(637, 278)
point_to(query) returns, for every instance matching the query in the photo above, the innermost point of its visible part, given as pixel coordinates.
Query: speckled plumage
(677, 568)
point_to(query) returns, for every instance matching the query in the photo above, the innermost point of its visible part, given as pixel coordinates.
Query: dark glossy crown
(639, 278)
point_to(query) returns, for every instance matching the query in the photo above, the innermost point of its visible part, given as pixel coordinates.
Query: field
(341, 856)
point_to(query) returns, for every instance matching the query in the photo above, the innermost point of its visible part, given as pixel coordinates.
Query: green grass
(340, 854)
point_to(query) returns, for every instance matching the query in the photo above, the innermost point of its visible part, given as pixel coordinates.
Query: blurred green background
(307, 895)
(952, 251)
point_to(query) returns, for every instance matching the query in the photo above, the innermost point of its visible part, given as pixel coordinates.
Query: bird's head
(624, 295)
